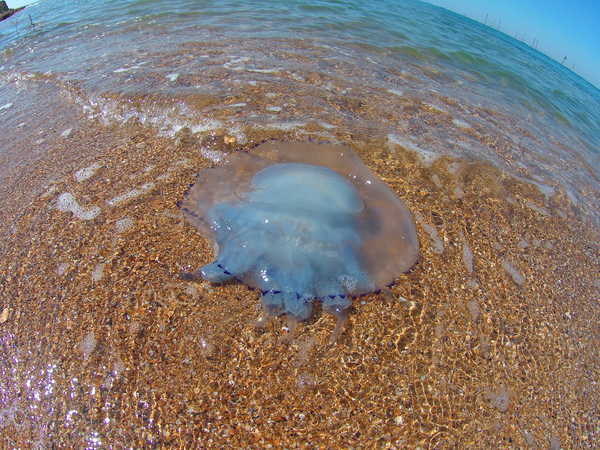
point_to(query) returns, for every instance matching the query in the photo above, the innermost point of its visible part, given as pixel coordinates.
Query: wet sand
(490, 341)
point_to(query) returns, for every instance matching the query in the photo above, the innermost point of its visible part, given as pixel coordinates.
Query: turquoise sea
(103, 54)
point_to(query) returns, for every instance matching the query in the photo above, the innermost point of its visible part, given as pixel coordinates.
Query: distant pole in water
(485, 20)
(564, 59)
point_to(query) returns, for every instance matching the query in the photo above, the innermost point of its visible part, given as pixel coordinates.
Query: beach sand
(490, 341)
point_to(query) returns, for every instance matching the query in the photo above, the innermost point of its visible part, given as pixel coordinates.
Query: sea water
(171, 65)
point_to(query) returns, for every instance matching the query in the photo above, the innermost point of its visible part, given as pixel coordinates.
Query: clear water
(149, 60)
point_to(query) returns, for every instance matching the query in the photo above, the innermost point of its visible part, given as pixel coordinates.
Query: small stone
(4, 315)
(399, 420)
(500, 399)
(62, 269)
(529, 438)
(474, 310)
(458, 192)
(98, 272)
(554, 443)
(229, 140)
(88, 345)
(467, 257)
(513, 272)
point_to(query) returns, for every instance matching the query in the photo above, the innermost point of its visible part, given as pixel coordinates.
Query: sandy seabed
(490, 341)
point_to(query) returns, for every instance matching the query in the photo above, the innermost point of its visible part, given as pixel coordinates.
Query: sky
(562, 28)
(16, 3)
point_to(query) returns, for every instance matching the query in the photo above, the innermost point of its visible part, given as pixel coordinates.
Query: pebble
(438, 245)
(62, 269)
(4, 314)
(98, 272)
(458, 192)
(474, 310)
(513, 272)
(500, 399)
(88, 345)
(468, 257)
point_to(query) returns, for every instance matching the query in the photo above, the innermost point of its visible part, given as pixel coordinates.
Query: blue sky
(562, 27)
(17, 3)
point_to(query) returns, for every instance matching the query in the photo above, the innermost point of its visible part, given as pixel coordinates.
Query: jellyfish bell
(301, 222)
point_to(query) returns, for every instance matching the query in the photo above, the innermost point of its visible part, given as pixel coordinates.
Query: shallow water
(111, 108)
(178, 64)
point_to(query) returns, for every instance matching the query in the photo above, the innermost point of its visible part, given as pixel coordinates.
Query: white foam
(436, 107)
(427, 157)
(67, 203)
(206, 125)
(397, 92)
(172, 77)
(87, 172)
(326, 125)
(214, 155)
(273, 70)
(67, 132)
(236, 131)
(3, 107)
(285, 126)
(460, 123)
(274, 108)
(236, 63)
(131, 194)
(123, 224)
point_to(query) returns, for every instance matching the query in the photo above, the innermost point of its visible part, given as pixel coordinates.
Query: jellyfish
(301, 222)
